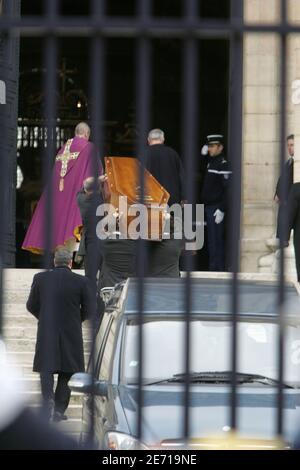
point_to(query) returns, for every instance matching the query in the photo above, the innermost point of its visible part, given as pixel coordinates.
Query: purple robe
(66, 219)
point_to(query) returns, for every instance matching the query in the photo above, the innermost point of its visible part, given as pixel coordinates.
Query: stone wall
(261, 135)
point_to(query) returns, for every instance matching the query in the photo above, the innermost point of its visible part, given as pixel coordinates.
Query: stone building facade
(261, 133)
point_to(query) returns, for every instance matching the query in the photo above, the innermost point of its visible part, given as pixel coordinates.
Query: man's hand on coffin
(103, 178)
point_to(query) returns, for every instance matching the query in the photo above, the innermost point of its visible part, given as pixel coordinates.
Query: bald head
(83, 130)
(91, 184)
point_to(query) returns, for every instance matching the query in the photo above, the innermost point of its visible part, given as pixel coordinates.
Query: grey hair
(156, 134)
(62, 257)
(82, 128)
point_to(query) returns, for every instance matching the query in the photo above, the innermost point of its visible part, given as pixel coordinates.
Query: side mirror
(83, 383)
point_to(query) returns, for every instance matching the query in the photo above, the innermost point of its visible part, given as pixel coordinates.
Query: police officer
(213, 196)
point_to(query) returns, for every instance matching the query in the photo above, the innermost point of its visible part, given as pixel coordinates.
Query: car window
(164, 349)
(107, 355)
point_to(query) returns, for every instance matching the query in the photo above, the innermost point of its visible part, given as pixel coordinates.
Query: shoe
(48, 409)
(58, 416)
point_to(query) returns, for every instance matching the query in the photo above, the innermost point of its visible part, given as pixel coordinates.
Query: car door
(104, 412)
(93, 368)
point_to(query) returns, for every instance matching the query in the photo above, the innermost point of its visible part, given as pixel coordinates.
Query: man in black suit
(293, 214)
(88, 200)
(61, 301)
(279, 197)
(165, 165)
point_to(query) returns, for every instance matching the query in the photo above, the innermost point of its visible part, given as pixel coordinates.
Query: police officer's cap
(215, 139)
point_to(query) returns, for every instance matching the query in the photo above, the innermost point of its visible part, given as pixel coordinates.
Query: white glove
(204, 150)
(219, 216)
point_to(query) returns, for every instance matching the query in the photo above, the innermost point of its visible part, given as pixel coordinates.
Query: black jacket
(215, 183)
(119, 261)
(88, 204)
(165, 165)
(289, 175)
(293, 215)
(61, 300)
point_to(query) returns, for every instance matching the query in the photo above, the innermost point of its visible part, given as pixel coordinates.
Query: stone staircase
(19, 331)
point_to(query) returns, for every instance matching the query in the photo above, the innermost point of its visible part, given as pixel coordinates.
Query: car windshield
(164, 349)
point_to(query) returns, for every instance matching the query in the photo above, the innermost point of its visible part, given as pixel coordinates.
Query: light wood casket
(123, 175)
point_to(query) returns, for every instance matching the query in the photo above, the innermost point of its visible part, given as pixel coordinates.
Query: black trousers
(163, 258)
(93, 259)
(282, 207)
(215, 240)
(62, 393)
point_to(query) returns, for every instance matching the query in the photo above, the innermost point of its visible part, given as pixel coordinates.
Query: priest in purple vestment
(73, 164)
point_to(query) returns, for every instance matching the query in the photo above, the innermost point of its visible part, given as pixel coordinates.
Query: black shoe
(58, 416)
(48, 409)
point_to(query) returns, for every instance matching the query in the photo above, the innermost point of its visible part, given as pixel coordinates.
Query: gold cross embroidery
(64, 158)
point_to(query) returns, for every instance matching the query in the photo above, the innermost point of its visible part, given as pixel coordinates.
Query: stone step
(35, 398)
(25, 321)
(19, 308)
(19, 332)
(30, 383)
(16, 296)
(75, 436)
(25, 358)
(16, 309)
(23, 277)
(71, 425)
(19, 320)
(73, 411)
(29, 332)
(27, 344)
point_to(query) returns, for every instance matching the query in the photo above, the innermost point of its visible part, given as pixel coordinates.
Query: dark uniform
(214, 197)
(293, 209)
(289, 176)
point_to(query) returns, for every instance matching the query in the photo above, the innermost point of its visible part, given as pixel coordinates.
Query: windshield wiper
(211, 377)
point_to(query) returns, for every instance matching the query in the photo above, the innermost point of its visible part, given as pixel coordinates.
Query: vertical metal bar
(235, 155)
(143, 84)
(97, 86)
(50, 148)
(282, 220)
(51, 9)
(190, 125)
(9, 68)
(3, 168)
(50, 87)
(50, 93)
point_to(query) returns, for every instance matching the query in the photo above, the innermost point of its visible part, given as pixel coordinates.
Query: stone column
(261, 133)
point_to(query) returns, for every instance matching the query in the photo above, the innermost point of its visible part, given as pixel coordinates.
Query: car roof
(212, 297)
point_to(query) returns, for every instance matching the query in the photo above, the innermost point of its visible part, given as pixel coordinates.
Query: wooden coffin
(123, 175)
